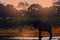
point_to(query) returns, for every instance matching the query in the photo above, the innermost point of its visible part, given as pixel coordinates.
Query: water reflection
(16, 38)
(27, 38)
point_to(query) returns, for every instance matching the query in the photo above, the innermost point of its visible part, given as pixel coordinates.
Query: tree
(54, 16)
(34, 12)
(35, 8)
(7, 16)
(1, 10)
(11, 10)
(23, 5)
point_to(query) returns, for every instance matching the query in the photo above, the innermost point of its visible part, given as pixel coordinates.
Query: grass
(28, 32)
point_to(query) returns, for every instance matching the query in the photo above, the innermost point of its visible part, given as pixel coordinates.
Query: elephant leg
(50, 32)
(40, 34)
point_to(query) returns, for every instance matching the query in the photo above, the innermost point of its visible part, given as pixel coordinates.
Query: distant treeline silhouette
(11, 17)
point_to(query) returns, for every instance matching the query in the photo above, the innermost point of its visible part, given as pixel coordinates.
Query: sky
(44, 3)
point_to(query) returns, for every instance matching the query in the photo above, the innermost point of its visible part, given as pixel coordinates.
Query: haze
(44, 3)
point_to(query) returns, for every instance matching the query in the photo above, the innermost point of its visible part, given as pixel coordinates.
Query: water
(28, 38)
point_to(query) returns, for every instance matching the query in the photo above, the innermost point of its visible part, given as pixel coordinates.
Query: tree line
(10, 16)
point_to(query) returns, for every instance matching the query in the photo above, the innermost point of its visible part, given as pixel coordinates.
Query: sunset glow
(44, 3)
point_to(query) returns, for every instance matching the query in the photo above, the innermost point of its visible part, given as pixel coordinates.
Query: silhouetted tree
(11, 10)
(7, 16)
(1, 10)
(57, 16)
(23, 5)
(34, 12)
(35, 8)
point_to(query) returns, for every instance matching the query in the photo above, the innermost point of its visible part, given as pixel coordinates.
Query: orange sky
(44, 3)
